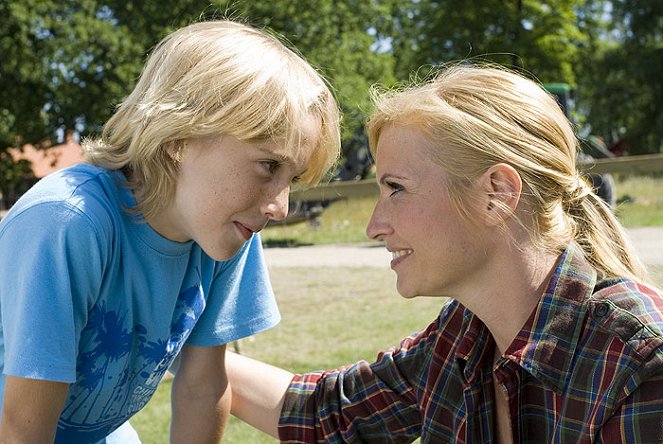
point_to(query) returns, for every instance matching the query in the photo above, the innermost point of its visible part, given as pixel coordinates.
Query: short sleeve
(50, 270)
(241, 301)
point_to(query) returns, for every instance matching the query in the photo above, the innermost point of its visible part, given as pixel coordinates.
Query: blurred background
(67, 63)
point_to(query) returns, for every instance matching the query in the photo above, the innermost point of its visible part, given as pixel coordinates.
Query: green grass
(344, 221)
(640, 204)
(640, 201)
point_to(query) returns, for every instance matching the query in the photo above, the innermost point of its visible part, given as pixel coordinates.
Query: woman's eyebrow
(389, 176)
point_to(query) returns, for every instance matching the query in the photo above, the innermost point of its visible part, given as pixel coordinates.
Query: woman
(550, 333)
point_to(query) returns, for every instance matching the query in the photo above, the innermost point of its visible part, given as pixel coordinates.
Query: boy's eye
(270, 165)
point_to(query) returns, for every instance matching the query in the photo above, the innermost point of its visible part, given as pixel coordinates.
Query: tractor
(591, 146)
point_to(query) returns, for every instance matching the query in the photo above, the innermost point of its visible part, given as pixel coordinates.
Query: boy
(109, 270)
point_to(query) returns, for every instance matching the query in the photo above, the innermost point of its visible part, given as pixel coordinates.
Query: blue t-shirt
(91, 296)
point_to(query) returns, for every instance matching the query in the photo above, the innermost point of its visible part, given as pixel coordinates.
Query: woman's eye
(395, 188)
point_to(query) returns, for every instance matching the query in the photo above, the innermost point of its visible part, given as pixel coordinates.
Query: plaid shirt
(586, 367)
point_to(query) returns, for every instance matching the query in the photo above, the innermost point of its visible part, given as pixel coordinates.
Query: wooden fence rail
(650, 163)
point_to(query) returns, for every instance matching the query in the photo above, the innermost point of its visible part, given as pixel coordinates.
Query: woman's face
(228, 189)
(435, 252)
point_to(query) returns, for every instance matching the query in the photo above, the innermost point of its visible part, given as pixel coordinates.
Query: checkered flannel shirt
(586, 367)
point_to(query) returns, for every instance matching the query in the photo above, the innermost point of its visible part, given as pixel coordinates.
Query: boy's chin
(222, 254)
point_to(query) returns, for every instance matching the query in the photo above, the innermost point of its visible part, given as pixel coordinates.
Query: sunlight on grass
(344, 221)
(640, 201)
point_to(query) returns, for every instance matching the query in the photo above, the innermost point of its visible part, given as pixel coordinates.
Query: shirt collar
(546, 345)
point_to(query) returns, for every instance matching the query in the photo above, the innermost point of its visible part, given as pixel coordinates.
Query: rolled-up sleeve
(364, 402)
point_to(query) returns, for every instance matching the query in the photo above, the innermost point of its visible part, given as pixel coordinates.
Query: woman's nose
(377, 226)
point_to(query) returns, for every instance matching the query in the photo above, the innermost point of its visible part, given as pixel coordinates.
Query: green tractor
(591, 146)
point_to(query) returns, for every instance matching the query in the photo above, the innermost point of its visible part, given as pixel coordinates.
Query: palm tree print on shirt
(119, 368)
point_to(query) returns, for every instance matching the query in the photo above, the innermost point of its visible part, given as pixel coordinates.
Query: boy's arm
(258, 390)
(31, 409)
(200, 396)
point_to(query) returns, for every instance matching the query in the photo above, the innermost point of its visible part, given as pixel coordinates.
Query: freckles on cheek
(254, 192)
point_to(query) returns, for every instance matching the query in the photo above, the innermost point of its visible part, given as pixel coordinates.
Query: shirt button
(601, 309)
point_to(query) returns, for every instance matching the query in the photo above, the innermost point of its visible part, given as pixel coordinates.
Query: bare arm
(200, 396)
(258, 390)
(31, 409)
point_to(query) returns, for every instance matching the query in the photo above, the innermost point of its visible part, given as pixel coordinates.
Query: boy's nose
(277, 208)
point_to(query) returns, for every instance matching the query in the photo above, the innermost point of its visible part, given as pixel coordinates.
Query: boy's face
(228, 189)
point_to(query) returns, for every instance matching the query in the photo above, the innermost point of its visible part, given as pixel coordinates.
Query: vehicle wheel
(604, 187)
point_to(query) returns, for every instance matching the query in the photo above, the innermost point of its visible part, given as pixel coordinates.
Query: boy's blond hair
(212, 78)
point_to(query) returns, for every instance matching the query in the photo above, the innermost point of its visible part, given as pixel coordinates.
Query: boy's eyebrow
(284, 158)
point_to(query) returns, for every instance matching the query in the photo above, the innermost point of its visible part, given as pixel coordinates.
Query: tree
(68, 63)
(623, 90)
(537, 36)
(65, 65)
(339, 38)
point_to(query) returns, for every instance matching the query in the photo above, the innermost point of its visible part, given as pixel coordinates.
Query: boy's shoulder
(78, 179)
(96, 193)
(80, 185)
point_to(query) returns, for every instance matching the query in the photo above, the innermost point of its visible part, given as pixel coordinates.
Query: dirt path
(648, 241)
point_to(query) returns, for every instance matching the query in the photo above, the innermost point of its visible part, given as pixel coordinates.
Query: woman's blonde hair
(478, 116)
(212, 78)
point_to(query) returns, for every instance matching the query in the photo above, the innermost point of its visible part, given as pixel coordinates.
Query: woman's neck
(514, 283)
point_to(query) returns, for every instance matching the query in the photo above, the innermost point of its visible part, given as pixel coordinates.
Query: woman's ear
(500, 188)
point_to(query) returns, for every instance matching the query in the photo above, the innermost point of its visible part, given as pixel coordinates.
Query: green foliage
(336, 37)
(621, 87)
(540, 37)
(66, 64)
(13, 179)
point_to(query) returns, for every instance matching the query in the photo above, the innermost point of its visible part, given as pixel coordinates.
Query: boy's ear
(500, 187)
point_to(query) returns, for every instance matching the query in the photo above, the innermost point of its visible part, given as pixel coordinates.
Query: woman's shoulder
(632, 311)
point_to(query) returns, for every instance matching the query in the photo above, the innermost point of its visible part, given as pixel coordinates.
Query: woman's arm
(258, 390)
(200, 395)
(31, 409)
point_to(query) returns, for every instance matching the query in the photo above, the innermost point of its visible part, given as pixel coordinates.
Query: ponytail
(600, 235)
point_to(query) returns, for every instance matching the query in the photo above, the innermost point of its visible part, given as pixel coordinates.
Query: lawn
(333, 316)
